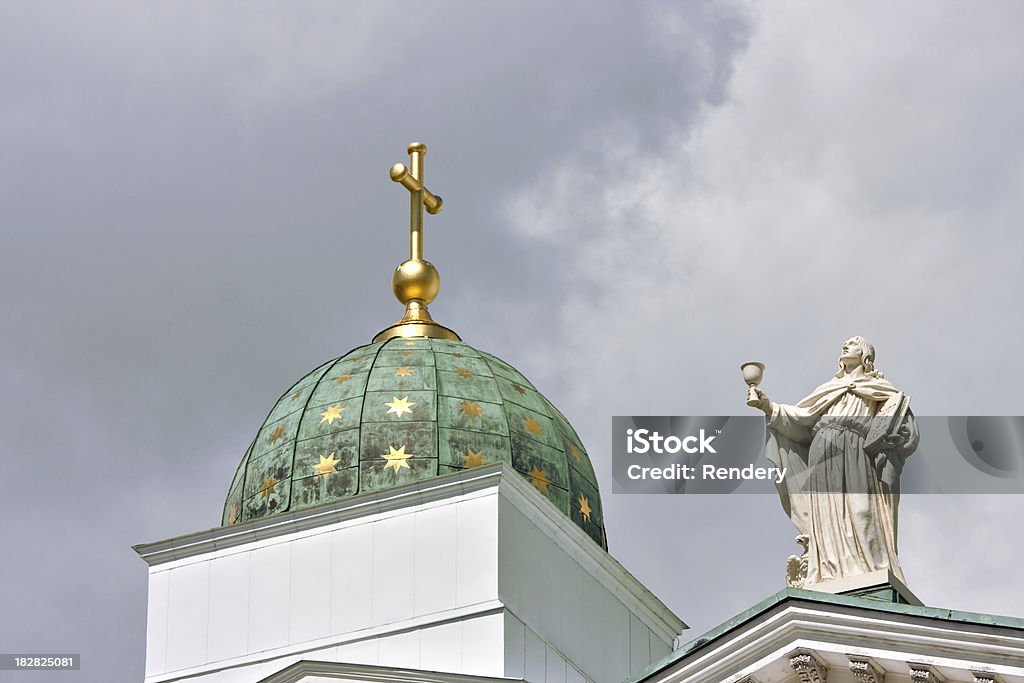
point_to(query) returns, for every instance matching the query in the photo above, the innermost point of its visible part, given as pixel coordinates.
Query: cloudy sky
(195, 212)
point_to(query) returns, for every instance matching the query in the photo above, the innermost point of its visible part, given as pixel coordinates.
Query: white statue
(844, 447)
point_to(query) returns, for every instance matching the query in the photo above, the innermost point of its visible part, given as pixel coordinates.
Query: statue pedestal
(878, 585)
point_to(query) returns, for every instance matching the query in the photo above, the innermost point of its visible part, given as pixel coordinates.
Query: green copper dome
(407, 409)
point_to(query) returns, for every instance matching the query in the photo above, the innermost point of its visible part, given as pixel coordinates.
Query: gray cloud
(844, 185)
(196, 212)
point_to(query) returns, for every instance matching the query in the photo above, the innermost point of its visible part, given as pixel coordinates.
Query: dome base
(416, 323)
(416, 329)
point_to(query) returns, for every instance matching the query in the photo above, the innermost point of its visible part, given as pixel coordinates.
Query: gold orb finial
(416, 282)
(416, 279)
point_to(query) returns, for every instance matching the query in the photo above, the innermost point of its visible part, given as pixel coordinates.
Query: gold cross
(415, 282)
(421, 196)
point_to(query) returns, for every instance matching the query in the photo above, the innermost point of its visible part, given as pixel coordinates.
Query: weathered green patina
(432, 406)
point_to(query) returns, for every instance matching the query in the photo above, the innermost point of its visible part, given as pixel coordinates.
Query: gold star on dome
(407, 352)
(398, 406)
(463, 372)
(470, 409)
(267, 487)
(276, 435)
(576, 453)
(397, 459)
(295, 396)
(403, 372)
(457, 355)
(332, 413)
(233, 514)
(410, 343)
(343, 378)
(519, 389)
(326, 465)
(585, 507)
(539, 479)
(474, 458)
(532, 426)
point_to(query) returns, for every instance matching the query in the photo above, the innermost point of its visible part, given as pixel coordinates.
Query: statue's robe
(842, 499)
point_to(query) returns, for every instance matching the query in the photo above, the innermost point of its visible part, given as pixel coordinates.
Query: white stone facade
(475, 574)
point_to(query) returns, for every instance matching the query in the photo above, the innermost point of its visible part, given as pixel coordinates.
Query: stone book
(885, 427)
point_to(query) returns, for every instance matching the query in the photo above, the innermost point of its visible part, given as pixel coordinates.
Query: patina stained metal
(416, 403)
(406, 409)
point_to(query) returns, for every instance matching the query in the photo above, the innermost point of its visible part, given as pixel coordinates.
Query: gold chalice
(753, 373)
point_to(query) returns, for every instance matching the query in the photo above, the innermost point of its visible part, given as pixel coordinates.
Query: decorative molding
(809, 668)
(364, 505)
(864, 669)
(796, 565)
(301, 670)
(984, 677)
(923, 673)
(312, 647)
(787, 623)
